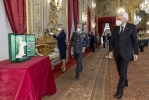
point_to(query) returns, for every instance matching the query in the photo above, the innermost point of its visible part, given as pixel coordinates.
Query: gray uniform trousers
(79, 67)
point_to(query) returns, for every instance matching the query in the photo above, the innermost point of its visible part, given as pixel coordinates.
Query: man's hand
(135, 57)
(51, 33)
(83, 49)
(72, 49)
(111, 55)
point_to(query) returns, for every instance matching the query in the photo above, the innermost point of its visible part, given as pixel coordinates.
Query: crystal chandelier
(145, 6)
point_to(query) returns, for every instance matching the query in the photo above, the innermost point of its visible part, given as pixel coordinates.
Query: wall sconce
(84, 19)
(147, 23)
(137, 20)
(121, 10)
(57, 3)
(93, 5)
(93, 25)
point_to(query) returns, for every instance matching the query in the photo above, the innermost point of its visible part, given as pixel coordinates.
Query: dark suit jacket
(127, 45)
(61, 40)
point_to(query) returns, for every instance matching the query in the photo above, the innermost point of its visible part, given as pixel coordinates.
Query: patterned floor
(99, 78)
(138, 77)
(92, 83)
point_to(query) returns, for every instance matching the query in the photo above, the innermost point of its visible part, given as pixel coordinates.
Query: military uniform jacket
(79, 40)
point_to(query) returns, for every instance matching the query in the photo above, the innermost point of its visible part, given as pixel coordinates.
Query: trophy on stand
(21, 47)
(21, 56)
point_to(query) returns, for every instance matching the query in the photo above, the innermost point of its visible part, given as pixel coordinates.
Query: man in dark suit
(104, 41)
(93, 41)
(79, 42)
(61, 37)
(124, 45)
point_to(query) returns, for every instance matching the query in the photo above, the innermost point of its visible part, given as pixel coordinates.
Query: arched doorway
(102, 21)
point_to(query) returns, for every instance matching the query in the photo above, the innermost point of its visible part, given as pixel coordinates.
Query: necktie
(121, 32)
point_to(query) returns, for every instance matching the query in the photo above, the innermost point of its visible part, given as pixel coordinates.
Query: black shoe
(126, 84)
(118, 95)
(77, 77)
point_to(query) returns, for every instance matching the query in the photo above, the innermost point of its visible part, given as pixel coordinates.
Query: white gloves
(51, 33)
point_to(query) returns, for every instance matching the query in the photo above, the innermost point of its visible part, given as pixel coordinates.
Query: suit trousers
(122, 66)
(78, 58)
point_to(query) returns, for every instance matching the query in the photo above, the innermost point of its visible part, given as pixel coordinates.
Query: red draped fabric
(76, 11)
(16, 13)
(102, 21)
(29, 80)
(89, 18)
(70, 5)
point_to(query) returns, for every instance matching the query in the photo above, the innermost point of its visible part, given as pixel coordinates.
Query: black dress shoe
(118, 95)
(126, 84)
(77, 77)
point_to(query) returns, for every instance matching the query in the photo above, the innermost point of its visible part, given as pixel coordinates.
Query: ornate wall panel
(106, 7)
(35, 17)
(132, 6)
(63, 15)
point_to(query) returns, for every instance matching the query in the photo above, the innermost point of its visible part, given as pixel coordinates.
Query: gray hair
(124, 14)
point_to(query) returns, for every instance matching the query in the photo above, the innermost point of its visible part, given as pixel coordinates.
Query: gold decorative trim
(28, 16)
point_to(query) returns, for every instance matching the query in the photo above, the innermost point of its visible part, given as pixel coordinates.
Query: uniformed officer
(79, 41)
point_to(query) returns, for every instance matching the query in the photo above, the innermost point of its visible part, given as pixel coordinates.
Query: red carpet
(71, 62)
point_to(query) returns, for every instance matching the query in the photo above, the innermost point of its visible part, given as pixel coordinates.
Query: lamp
(93, 5)
(93, 25)
(137, 20)
(84, 19)
(147, 23)
(58, 4)
(121, 10)
(145, 6)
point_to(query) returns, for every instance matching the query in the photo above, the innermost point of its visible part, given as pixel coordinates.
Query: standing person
(124, 44)
(104, 41)
(79, 41)
(93, 41)
(97, 40)
(61, 37)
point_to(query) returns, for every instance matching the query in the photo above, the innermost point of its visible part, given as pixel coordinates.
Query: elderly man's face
(120, 17)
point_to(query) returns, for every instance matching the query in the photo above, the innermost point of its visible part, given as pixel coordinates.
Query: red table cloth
(29, 80)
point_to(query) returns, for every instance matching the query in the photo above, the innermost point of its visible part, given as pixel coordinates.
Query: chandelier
(145, 6)
(137, 20)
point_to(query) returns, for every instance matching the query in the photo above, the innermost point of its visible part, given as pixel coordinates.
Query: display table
(29, 80)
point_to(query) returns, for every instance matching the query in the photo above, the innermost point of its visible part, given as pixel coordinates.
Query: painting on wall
(106, 7)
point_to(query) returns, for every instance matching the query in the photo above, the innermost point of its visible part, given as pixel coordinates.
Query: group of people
(79, 42)
(123, 45)
(142, 44)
